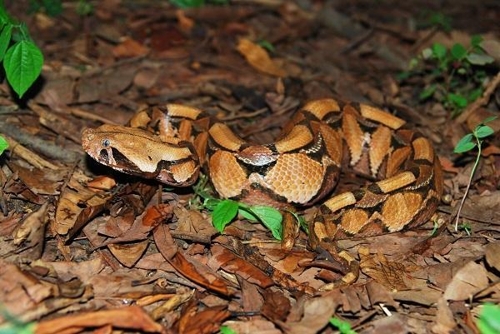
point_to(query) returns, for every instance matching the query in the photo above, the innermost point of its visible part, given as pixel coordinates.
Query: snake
(173, 143)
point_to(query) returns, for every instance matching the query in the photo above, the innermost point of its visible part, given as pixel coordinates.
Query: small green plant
(468, 143)
(226, 330)
(455, 76)
(54, 8)
(22, 59)
(197, 3)
(225, 210)
(84, 8)
(3, 145)
(51, 7)
(15, 326)
(489, 319)
(343, 326)
(466, 227)
(435, 20)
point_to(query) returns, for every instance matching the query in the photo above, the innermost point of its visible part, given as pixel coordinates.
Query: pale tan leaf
(258, 58)
(470, 279)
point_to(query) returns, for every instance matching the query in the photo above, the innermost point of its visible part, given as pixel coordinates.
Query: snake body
(171, 143)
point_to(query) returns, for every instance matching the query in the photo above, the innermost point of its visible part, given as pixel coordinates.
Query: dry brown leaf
(41, 181)
(468, 280)
(70, 214)
(129, 48)
(102, 183)
(21, 291)
(492, 48)
(379, 294)
(445, 323)
(204, 321)
(258, 58)
(317, 313)
(131, 317)
(128, 253)
(254, 326)
(196, 272)
(276, 305)
(387, 273)
(236, 265)
(493, 255)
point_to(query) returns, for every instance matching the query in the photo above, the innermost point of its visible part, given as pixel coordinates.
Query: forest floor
(86, 249)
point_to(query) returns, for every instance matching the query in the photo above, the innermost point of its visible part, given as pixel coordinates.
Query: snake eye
(106, 142)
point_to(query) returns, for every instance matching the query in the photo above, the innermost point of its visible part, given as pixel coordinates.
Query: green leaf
(84, 8)
(23, 64)
(247, 215)
(4, 16)
(224, 213)
(5, 36)
(210, 203)
(483, 131)
(267, 45)
(427, 92)
(343, 326)
(28, 328)
(270, 217)
(226, 330)
(465, 144)
(438, 50)
(489, 119)
(3, 145)
(475, 94)
(53, 7)
(479, 59)
(458, 51)
(187, 3)
(475, 41)
(458, 100)
(489, 319)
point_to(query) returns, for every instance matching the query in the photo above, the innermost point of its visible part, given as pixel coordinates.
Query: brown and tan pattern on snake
(171, 144)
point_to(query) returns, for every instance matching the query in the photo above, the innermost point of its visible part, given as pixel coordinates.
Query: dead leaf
(445, 323)
(70, 213)
(21, 291)
(276, 305)
(130, 317)
(493, 255)
(388, 273)
(236, 265)
(492, 48)
(258, 58)
(197, 273)
(317, 313)
(129, 48)
(470, 279)
(128, 253)
(204, 321)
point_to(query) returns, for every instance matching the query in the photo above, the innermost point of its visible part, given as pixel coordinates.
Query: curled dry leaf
(258, 58)
(70, 214)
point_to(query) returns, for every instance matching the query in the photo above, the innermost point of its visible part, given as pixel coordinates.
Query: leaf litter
(81, 251)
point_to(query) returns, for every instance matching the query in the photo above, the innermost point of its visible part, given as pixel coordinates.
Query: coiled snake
(172, 143)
